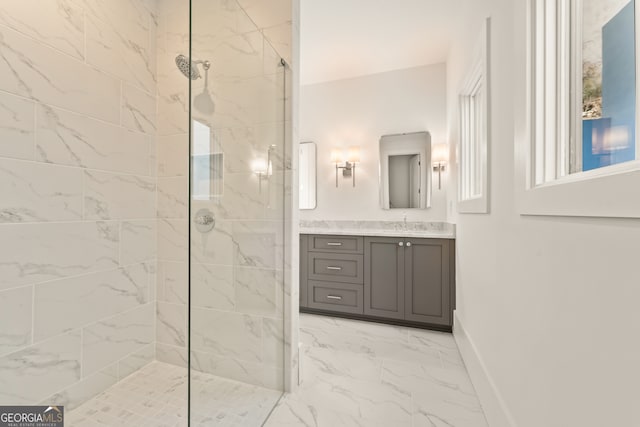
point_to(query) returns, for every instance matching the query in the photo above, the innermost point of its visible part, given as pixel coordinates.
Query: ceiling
(348, 38)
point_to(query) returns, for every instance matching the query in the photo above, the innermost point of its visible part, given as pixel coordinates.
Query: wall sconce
(263, 169)
(349, 168)
(439, 157)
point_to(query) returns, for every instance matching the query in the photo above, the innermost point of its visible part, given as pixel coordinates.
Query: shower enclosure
(146, 209)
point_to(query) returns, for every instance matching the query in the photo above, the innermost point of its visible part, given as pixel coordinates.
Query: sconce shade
(354, 154)
(440, 153)
(259, 166)
(336, 156)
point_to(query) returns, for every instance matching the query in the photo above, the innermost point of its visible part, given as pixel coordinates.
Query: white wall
(549, 303)
(358, 112)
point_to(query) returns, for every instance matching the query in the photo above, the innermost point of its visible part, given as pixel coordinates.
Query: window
(582, 108)
(474, 134)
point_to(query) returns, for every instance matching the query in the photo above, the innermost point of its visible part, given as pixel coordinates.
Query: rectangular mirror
(307, 172)
(405, 178)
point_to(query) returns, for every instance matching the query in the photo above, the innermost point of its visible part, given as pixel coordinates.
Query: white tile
(432, 409)
(76, 140)
(173, 155)
(273, 342)
(42, 252)
(215, 247)
(136, 360)
(416, 378)
(173, 240)
(357, 327)
(111, 196)
(57, 24)
(87, 299)
(15, 319)
(121, 46)
(280, 38)
(258, 244)
(173, 197)
(173, 106)
(171, 354)
(212, 286)
(17, 127)
(137, 241)
(175, 283)
(34, 71)
(231, 335)
(267, 15)
(258, 291)
(80, 392)
(171, 324)
(109, 340)
(32, 374)
(37, 192)
(324, 363)
(138, 110)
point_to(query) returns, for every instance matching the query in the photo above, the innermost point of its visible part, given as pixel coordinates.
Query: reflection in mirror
(307, 168)
(405, 181)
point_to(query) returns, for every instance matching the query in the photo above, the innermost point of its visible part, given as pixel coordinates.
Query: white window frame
(553, 45)
(473, 163)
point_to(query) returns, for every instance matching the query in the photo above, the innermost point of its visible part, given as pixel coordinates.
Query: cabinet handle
(334, 244)
(336, 297)
(408, 244)
(400, 243)
(334, 268)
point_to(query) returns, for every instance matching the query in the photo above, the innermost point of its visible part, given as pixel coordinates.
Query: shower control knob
(204, 220)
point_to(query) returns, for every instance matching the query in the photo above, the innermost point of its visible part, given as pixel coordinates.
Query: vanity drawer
(346, 298)
(342, 244)
(329, 267)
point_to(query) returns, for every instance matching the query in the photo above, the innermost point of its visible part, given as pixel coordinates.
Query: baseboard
(493, 404)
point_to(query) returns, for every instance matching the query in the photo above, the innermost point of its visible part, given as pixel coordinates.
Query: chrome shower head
(190, 68)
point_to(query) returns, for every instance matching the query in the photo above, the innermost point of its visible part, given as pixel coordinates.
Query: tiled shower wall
(77, 196)
(238, 268)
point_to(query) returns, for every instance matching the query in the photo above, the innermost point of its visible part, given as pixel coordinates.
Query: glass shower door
(236, 310)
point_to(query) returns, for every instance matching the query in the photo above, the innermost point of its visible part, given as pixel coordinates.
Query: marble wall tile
(37, 192)
(72, 139)
(17, 127)
(175, 283)
(280, 38)
(238, 56)
(111, 196)
(273, 341)
(38, 72)
(267, 15)
(173, 197)
(109, 340)
(171, 326)
(173, 240)
(138, 110)
(227, 334)
(257, 291)
(173, 155)
(61, 23)
(121, 46)
(27, 375)
(67, 304)
(228, 367)
(215, 247)
(87, 388)
(41, 252)
(171, 354)
(258, 244)
(212, 286)
(15, 319)
(218, 19)
(173, 106)
(136, 360)
(138, 241)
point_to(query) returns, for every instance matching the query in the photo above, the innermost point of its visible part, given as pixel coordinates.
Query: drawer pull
(334, 297)
(334, 268)
(334, 244)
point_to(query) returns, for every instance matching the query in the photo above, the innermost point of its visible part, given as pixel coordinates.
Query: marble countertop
(434, 230)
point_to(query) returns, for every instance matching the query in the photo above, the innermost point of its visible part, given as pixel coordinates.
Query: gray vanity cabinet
(384, 277)
(427, 281)
(389, 279)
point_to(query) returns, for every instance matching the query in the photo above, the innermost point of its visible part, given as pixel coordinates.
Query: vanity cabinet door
(427, 285)
(384, 277)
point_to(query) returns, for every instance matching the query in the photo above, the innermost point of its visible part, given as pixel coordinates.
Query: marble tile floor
(156, 396)
(371, 375)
